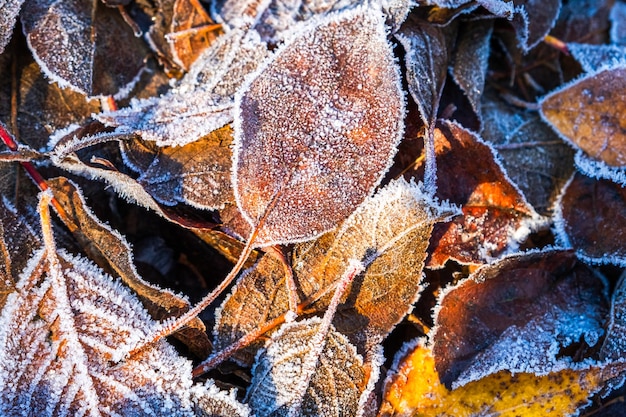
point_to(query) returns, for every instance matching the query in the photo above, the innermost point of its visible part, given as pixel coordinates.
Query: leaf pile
(442, 181)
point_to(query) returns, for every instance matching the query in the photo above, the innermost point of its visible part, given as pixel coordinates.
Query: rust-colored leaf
(495, 214)
(516, 315)
(413, 388)
(317, 127)
(591, 218)
(74, 41)
(589, 114)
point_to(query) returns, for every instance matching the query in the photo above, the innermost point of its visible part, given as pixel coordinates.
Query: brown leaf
(495, 215)
(110, 250)
(64, 331)
(534, 157)
(75, 41)
(203, 100)
(516, 315)
(191, 32)
(591, 218)
(533, 20)
(389, 232)
(427, 58)
(10, 10)
(312, 132)
(588, 113)
(197, 174)
(280, 384)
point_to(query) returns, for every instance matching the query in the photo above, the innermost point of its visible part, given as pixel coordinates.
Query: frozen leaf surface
(10, 10)
(317, 127)
(413, 388)
(203, 100)
(516, 315)
(533, 20)
(109, 249)
(588, 114)
(89, 34)
(596, 57)
(280, 386)
(496, 217)
(197, 174)
(389, 232)
(591, 218)
(618, 23)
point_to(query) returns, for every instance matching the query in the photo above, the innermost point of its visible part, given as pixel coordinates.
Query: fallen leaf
(596, 57)
(312, 132)
(62, 332)
(110, 250)
(291, 378)
(583, 21)
(74, 42)
(618, 23)
(524, 143)
(588, 114)
(516, 315)
(413, 388)
(496, 216)
(389, 232)
(533, 20)
(197, 174)
(203, 100)
(10, 10)
(471, 57)
(591, 218)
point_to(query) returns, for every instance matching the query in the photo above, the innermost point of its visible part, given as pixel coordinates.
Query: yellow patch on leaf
(415, 390)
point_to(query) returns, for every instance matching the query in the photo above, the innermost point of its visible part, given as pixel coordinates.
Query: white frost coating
(10, 9)
(561, 237)
(618, 23)
(595, 58)
(375, 359)
(598, 169)
(212, 401)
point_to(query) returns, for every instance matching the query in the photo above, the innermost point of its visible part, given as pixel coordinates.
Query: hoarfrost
(596, 57)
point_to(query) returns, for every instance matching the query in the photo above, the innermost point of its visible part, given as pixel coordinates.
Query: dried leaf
(110, 250)
(591, 218)
(471, 58)
(389, 232)
(588, 114)
(533, 20)
(413, 388)
(74, 41)
(191, 32)
(61, 332)
(10, 10)
(534, 157)
(583, 21)
(280, 384)
(197, 174)
(317, 127)
(210, 401)
(596, 57)
(614, 344)
(516, 315)
(496, 216)
(203, 100)
(427, 59)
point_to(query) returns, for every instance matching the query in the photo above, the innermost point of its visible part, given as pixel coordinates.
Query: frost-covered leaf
(524, 143)
(427, 59)
(74, 42)
(17, 243)
(583, 21)
(614, 344)
(210, 401)
(317, 127)
(496, 217)
(596, 57)
(291, 378)
(62, 331)
(203, 100)
(390, 232)
(10, 10)
(591, 218)
(618, 23)
(533, 20)
(471, 58)
(413, 388)
(191, 32)
(197, 174)
(516, 315)
(588, 113)
(109, 249)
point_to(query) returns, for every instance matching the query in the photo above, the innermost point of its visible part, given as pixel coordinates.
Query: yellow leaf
(415, 390)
